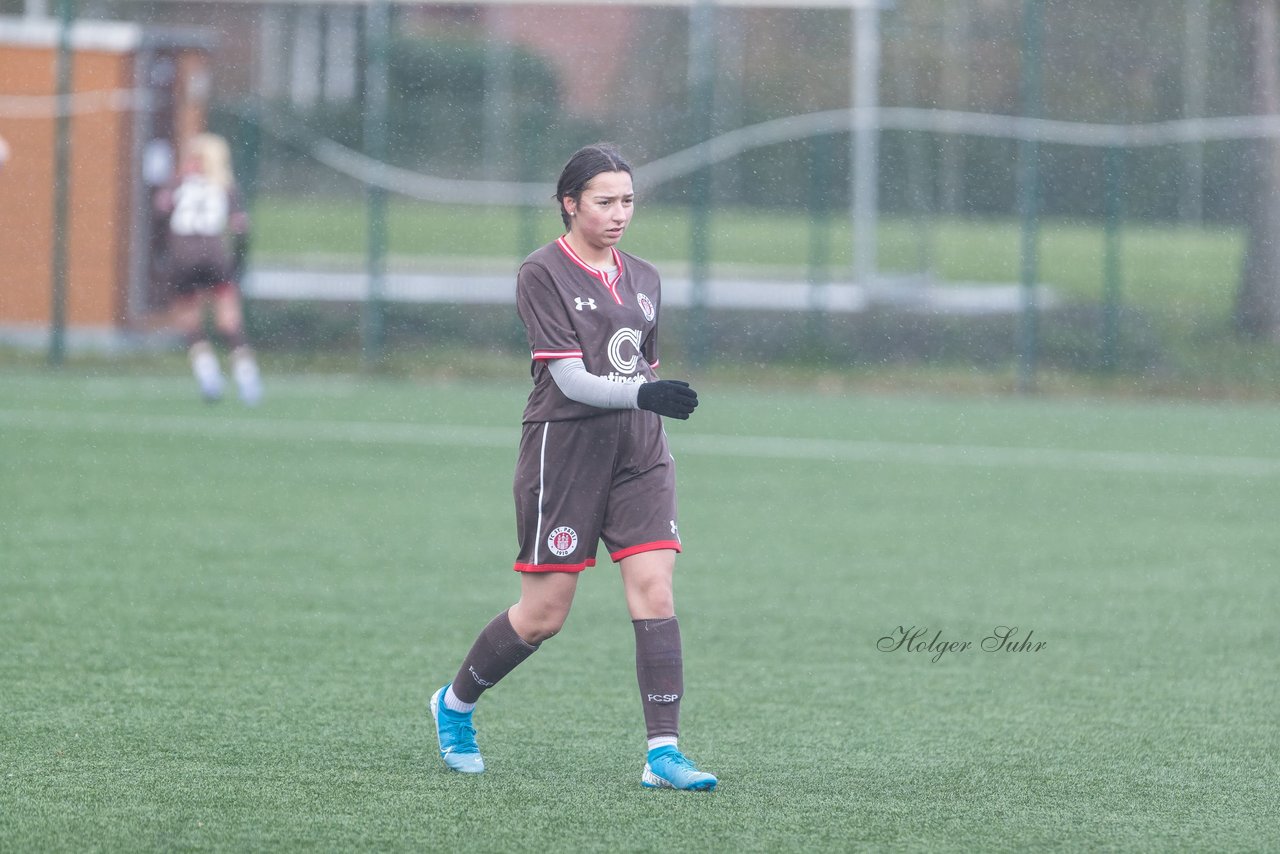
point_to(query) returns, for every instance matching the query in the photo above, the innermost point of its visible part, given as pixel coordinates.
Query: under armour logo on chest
(579, 303)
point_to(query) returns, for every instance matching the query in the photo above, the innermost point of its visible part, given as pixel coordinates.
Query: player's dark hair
(585, 164)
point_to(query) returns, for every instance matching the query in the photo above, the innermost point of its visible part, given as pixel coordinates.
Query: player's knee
(538, 634)
(537, 624)
(654, 595)
(535, 633)
(660, 603)
(547, 625)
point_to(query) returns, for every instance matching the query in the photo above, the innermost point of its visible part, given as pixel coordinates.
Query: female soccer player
(207, 241)
(593, 465)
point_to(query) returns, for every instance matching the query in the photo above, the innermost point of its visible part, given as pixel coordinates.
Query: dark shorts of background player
(190, 278)
(610, 477)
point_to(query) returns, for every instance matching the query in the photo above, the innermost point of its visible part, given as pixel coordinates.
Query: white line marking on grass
(178, 389)
(756, 447)
(847, 450)
(214, 427)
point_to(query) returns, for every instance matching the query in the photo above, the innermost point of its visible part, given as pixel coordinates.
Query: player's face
(603, 211)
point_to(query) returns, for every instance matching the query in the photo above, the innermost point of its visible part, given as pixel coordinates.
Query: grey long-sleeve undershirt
(577, 383)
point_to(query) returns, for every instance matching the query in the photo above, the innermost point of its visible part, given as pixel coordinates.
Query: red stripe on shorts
(645, 547)
(554, 567)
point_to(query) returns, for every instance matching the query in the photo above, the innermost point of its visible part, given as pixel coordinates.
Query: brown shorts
(190, 278)
(610, 477)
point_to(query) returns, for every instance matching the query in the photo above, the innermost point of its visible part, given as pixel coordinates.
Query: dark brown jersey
(201, 216)
(570, 309)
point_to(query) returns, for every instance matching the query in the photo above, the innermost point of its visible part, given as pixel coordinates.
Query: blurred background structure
(106, 93)
(1007, 184)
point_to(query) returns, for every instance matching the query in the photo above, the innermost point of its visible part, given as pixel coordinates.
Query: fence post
(819, 239)
(373, 327)
(1029, 193)
(865, 132)
(702, 91)
(1114, 203)
(61, 187)
(532, 131)
(1194, 88)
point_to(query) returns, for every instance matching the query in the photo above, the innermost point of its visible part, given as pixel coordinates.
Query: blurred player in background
(208, 234)
(593, 465)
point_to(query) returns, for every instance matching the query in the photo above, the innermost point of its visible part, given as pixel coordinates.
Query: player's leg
(643, 538)
(229, 321)
(647, 583)
(188, 315)
(557, 526)
(545, 600)
(507, 640)
(513, 635)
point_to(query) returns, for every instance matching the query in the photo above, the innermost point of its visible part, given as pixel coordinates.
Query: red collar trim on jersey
(601, 275)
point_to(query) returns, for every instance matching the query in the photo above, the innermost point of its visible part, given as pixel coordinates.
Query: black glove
(672, 398)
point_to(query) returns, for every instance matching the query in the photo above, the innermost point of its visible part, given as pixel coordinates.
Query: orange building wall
(98, 202)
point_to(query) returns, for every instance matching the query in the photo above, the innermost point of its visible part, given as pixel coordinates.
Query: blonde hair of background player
(213, 156)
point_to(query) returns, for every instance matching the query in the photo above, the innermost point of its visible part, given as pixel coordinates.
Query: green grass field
(219, 628)
(1175, 270)
(1176, 290)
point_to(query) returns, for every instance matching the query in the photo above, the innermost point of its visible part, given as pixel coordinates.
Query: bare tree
(1257, 310)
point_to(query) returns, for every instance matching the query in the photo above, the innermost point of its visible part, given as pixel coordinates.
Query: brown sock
(495, 653)
(234, 340)
(660, 672)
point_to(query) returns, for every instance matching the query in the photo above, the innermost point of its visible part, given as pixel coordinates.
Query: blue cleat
(457, 736)
(668, 768)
